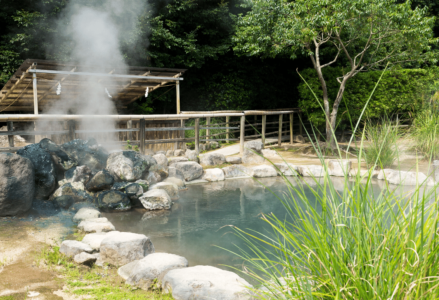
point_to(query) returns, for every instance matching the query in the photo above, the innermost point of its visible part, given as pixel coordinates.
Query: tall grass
(425, 133)
(382, 149)
(349, 242)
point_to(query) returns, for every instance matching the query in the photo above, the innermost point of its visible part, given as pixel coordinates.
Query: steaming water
(198, 221)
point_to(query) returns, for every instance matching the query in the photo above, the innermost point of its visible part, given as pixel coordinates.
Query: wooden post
(71, 125)
(182, 135)
(207, 130)
(255, 126)
(177, 87)
(130, 133)
(279, 138)
(264, 128)
(10, 137)
(227, 130)
(34, 75)
(242, 135)
(291, 128)
(142, 135)
(197, 135)
(300, 125)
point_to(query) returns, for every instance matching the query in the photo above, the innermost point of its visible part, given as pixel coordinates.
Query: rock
(205, 282)
(234, 160)
(68, 175)
(63, 202)
(169, 187)
(134, 191)
(213, 175)
(286, 169)
(71, 248)
(363, 173)
(73, 189)
(143, 273)
(60, 158)
(86, 213)
(17, 184)
(161, 152)
(337, 167)
(212, 159)
(44, 169)
(84, 258)
(129, 165)
(94, 240)
(96, 225)
(253, 153)
(112, 200)
(153, 178)
(143, 183)
(177, 181)
(236, 171)
(87, 153)
(174, 160)
(191, 170)
(270, 153)
(121, 248)
(156, 199)
(149, 152)
(298, 139)
(101, 181)
(169, 153)
(214, 145)
(405, 178)
(263, 171)
(82, 174)
(174, 172)
(311, 171)
(162, 160)
(179, 152)
(77, 206)
(192, 155)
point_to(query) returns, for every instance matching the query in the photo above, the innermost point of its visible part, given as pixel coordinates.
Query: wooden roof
(125, 86)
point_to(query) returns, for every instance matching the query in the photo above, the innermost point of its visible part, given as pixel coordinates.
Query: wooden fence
(165, 132)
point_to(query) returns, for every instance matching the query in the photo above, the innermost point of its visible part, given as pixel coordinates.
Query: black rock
(64, 201)
(112, 200)
(82, 174)
(101, 181)
(61, 159)
(87, 153)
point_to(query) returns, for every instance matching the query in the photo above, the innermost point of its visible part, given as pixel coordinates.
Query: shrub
(425, 133)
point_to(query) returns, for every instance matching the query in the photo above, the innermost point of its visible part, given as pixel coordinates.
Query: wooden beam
(291, 128)
(71, 125)
(14, 86)
(53, 86)
(130, 133)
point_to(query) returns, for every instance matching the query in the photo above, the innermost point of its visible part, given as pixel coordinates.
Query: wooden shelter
(33, 87)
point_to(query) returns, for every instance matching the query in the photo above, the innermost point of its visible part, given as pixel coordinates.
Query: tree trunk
(333, 119)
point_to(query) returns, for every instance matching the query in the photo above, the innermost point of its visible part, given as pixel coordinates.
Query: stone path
(234, 149)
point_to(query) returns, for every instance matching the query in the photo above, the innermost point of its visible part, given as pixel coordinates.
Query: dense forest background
(196, 35)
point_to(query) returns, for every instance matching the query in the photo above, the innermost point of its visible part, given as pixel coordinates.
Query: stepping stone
(264, 171)
(286, 169)
(84, 258)
(156, 199)
(71, 248)
(96, 225)
(213, 175)
(86, 213)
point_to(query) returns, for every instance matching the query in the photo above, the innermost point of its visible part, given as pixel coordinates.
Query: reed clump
(425, 133)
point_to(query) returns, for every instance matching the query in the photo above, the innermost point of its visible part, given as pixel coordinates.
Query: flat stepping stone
(71, 248)
(142, 273)
(169, 187)
(84, 258)
(86, 213)
(263, 171)
(213, 175)
(311, 171)
(96, 225)
(234, 160)
(94, 240)
(286, 169)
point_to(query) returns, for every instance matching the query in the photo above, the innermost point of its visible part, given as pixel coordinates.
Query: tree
(365, 34)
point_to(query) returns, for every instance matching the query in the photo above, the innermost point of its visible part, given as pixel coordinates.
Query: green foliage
(382, 150)
(213, 122)
(402, 91)
(425, 133)
(128, 146)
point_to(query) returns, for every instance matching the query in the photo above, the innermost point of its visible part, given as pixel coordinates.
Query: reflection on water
(197, 222)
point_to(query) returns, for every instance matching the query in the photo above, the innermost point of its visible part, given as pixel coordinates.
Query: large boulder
(191, 170)
(264, 171)
(286, 169)
(213, 175)
(174, 172)
(253, 153)
(177, 181)
(339, 167)
(121, 248)
(174, 160)
(60, 158)
(169, 187)
(71, 248)
(311, 171)
(269, 153)
(212, 159)
(63, 202)
(86, 213)
(179, 152)
(169, 153)
(152, 177)
(81, 174)
(94, 240)
(236, 171)
(112, 200)
(84, 258)
(156, 199)
(205, 282)
(129, 165)
(234, 160)
(405, 178)
(192, 155)
(88, 153)
(17, 184)
(162, 161)
(74, 190)
(101, 181)
(96, 225)
(44, 168)
(144, 272)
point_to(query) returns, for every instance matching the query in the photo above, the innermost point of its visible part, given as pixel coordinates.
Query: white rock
(122, 248)
(405, 178)
(339, 167)
(363, 173)
(84, 258)
(179, 152)
(286, 169)
(153, 177)
(71, 248)
(86, 213)
(162, 160)
(156, 199)
(177, 181)
(234, 160)
(253, 153)
(212, 159)
(174, 160)
(236, 171)
(191, 170)
(192, 155)
(270, 153)
(311, 171)
(213, 174)
(129, 165)
(142, 273)
(169, 187)
(94, 239)
(263, 171)
(205, 282)
(174, 172)
(96, 225)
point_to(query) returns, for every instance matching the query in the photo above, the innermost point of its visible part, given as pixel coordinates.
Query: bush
(425, 133)
(400, 91)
